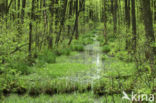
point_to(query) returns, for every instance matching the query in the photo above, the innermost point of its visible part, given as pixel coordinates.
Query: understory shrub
(46, 57)
(104, 57)
(77, 47)
(123, 55)
(106, 48)
(21, 66)
(62, 51)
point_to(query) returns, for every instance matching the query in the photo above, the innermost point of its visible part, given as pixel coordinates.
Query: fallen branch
(18, 48)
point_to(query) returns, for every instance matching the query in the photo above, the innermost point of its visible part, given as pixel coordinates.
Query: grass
(119, 67)
(62, 98)
(46, 79)
(87, 97)
(62, 69)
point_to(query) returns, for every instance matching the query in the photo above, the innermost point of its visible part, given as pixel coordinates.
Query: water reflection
(91, 55)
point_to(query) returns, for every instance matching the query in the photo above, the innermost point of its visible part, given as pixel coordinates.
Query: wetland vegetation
(77, 51)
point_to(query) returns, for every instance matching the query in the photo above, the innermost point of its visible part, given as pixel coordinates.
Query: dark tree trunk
(18, 8)
(23, 11)
(30, 29)
(112, 6)
(62, 22)
(51, 31)
(71, 38)
(149, 28)
(70, 15)
(105, 20)
(127, 12)
(77, 20)
(154, 12)
(127, 21)
(134, 25)
(115, 15)
(2, 7)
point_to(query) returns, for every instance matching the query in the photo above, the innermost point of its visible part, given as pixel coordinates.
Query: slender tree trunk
(51, 30)
(45, 17)
(2, 7)
(71, 38)
(77, 19)
(18, 15)
(154, 14)
(127, 21)
(84, 16)
(134, 26)
(70, 15)
(115, 15)
(62, 22)
(127, 13)
(105, 20)
(148, 22)
(23, 11)
(30, 29)
(112, 6)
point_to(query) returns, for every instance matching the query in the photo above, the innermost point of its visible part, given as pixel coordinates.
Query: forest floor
(90, 76)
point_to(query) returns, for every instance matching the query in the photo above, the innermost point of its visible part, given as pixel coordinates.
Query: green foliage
(21, 66)
(123, 55)
(62, 51)
(62, 98)
(9, 81)
(100, 87)
(28, 31)
(106, 48)
(46, 57)
(62, 69)
(78, 47)
(105, 57)
(120, 68)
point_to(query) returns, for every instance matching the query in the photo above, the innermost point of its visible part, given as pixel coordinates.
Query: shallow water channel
(92, 56)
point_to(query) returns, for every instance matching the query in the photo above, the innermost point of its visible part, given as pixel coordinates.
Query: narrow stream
(91, 55)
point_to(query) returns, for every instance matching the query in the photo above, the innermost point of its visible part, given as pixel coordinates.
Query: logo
(138, 97)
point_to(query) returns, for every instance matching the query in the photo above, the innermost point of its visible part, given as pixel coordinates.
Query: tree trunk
(51, 30)
(105, 20)
(127, 13)
(149, 29)
(77, 19)
(127, 21)
(112, 6)
(18, 15)
(62, 22)
(2, 7)
(30, 29)
(23, 11)
(115, 15)
(134, 26)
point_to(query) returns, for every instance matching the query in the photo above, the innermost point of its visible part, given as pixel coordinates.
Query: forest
(77, 51)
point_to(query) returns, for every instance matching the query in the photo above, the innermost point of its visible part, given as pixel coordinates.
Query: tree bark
(105, 20)
(127, 21)
(115, 15)
(148, 23)
(127, 13)
(23, 11)
(77, 19)
(30, 28)
(62, 22)
(2, 7)
(134, 26)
